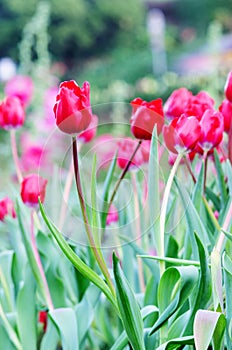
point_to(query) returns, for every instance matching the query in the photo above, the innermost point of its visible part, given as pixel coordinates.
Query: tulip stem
(124, 173)
(187, 163)
(15, 155)
(205, 159)
(97, 254)
(46, 290)
(164, 210)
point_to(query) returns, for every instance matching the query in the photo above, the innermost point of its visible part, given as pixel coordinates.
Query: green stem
(164, 211)
(11, 332)
(125, 170)
(96, 253)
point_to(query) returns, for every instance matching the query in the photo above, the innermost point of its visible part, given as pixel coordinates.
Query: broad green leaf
(229, 175)
(202, 293)
(176, 285)
(220, 179)
(106, 190)
(84, 269)
(177, 343)
(214, 198)
(26, 313)
(85, 311)
(206, 325)
(128, 307)
(153, 189)
(227, 264)
(5, 342)
(7, 297)
(216, 272)
(193, 221)
(177, 327)
(30, 254)
(66, 323)
(122, 340)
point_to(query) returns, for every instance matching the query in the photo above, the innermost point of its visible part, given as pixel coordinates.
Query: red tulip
(226, 109)
(145, 115)
(182, 134)
(126, 148)
(6, 208)
(33, 187)
(212, 127)
(72, 108)
(20, 86)
(198, 104)
(176, 103)
(12, 114)
(88, 134)
(228, 87)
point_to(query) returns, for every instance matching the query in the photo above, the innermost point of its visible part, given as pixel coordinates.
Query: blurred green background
(108, 44)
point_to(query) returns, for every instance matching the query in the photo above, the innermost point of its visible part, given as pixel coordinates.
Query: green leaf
(177, 343)
(220, 179)
(85, 311)
(193, 221)
(227, 264)
(208, 324)
(199, 190)
(84, 269)
(172, 261)
(128, 307)
(7, 298)
(26, 313)
(216, 272)
(176, 285)
(66, 323)
(153, 189)
(229, 175)
(202, 292)
(106, 190)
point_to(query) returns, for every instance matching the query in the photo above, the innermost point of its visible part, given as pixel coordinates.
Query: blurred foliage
(77, 27)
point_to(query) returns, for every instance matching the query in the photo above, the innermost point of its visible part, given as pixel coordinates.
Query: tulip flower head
(72, 108)
(7, 208)
(228, 87)
(182, 134)
(145, 115)
(226, 109)
(177, 102)
(88, 134)
(212, 127)
(33, 187)
(12, 114)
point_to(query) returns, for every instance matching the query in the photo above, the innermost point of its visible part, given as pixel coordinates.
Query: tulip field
(115, 235)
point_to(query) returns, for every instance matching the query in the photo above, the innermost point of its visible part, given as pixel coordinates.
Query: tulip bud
(20, 86)
(33, 187)
(88, 134)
